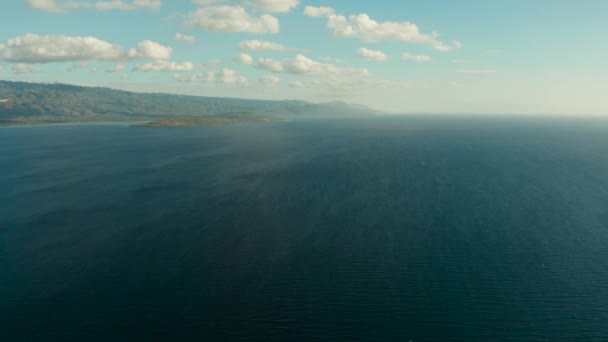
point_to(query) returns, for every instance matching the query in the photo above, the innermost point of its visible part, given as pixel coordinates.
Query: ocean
(414, 228)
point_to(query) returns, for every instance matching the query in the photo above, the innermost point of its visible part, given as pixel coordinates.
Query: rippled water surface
(422, 229)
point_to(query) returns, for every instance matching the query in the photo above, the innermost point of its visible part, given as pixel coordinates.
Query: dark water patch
(460, 229)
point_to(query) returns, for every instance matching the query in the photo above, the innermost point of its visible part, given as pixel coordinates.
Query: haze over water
(367, 229)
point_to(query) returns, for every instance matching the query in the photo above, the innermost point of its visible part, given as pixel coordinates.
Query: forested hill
(30, 103)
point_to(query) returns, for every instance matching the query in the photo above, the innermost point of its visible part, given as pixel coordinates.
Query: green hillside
(33, 103)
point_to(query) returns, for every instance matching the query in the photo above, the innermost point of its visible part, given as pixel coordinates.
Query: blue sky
(471, 56)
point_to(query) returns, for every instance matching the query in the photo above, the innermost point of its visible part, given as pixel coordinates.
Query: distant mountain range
(35, 103)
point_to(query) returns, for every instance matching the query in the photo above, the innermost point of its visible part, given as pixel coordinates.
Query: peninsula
(38, 103)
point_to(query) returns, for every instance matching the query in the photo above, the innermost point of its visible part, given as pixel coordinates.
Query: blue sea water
(363, 229)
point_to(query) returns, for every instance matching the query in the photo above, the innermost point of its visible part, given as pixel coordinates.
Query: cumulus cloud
(362, 27)
(22, 68)
(258, 45)
(33, 48)
(120, 5)
(318, 12)
(188, 78)
(231, 19)
(244, 58)
(270, 65)
(227, 76)
(444, 47)
(268, 6)
(164, 66)
(185, 38)
(302, 65)
(415, 58)
(371, 55)
(224, 76)
(55, 6)
(276, 5)
(117, 68)
(151, 50)
(269, 81)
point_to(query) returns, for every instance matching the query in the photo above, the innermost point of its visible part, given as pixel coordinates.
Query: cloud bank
(53, 6)
(32, 48)
(362, 27)
(258, 45)
(231, 19)
(302, 65)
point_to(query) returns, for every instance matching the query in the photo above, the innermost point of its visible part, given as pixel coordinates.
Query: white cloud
(259, 45)
(22, 68)
(164, 66)
(362, 27)
(185, 38)
(227, 76)
(269, 81)
(120, 5)
(244, 58)
(318, 12)
(268, 6)
(476, 71)
(415, 58)
(231, 19)
(55, 6)
(47, 5)
(444, 48)
(33, 48)
(270, 65)
(188, 78)
(151, 50)
(117, 68)
(371, 55)
(302, 65)
(276, 5)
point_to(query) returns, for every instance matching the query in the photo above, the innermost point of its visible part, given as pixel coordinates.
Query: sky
(402, 56)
